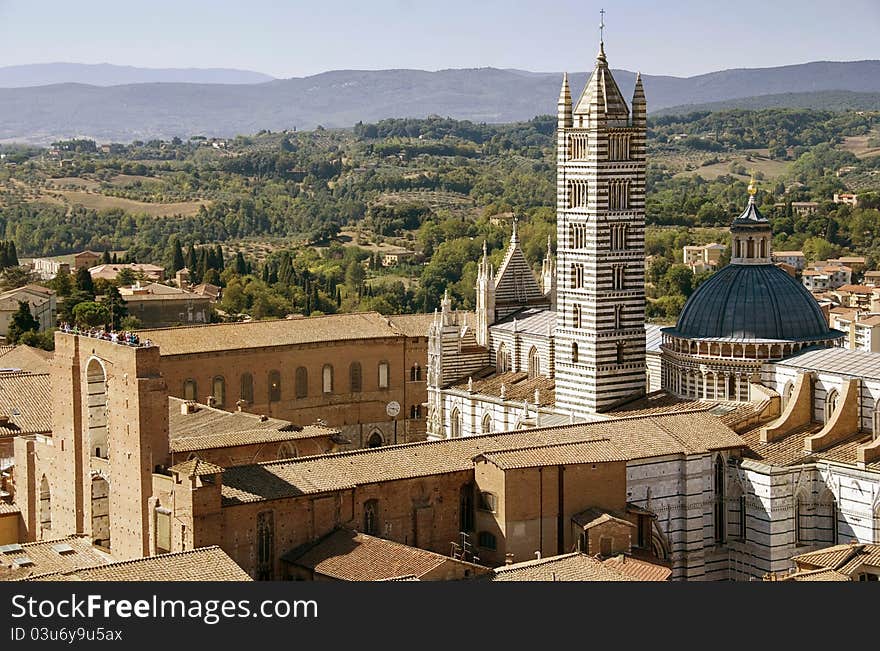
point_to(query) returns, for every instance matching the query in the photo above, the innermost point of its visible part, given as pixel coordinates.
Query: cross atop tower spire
(601, 26)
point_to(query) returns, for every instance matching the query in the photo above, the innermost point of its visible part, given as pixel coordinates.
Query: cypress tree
(177, 261)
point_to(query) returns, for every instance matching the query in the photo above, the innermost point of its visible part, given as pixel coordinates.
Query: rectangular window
(383, 375)
(163, 531)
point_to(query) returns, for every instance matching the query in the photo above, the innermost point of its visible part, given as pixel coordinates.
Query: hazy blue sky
(293, 38)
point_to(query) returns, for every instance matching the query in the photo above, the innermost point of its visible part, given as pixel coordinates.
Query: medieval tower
(600, 220)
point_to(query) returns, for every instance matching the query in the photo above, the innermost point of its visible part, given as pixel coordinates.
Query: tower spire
(601, 34)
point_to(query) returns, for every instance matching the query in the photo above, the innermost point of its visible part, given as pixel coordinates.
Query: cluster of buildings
(550, 434)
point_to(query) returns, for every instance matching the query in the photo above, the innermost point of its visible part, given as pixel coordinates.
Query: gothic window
(415, 373)
(455, 423)
(618, 146)
(45, 509)
(577, 146)
(750, 251)
(265, 545)
(720, 513)
(247, 388)
(763, 247)
(301, 379)
(487, 424)
(576, 316)
(327, 378)
(577, 276)
(534, 363)
(799, 529)
(574, 352)
(577, 194)
(371, 517)
(466, 508)
(830, 404)
(355, 378)
(274, 386)
(502, 361)
(618, 309)
(618, 277)
(219, 391)
(620, 352)
(383, 375)
(743, 532)
(618, 195)
(190, 390)
(375, 440)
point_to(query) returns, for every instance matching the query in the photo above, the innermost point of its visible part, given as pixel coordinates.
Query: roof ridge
(548, 445)
(263, 321)
(129, 561)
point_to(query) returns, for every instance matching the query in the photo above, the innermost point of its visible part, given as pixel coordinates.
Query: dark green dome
(753, 302)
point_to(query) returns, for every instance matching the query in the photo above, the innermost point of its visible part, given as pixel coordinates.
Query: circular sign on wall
(392, 408)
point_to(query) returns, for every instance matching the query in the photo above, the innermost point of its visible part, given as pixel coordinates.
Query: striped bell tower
(600, 220)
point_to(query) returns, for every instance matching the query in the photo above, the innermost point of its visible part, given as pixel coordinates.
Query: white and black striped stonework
(600, 246)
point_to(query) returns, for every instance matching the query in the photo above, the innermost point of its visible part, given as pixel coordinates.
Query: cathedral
(751, 347)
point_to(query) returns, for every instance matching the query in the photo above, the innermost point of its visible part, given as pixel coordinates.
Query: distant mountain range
(106, 74)
(122, 113)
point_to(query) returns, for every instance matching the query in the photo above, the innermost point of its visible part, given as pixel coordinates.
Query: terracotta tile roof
(195, 467)
(518, 387)
(351, 556)
(532, 321)
(6, 508)
(25, 358)
(596, 451)
(25, 398)
(593, 517)
(186, 340)
(416, 325)
(208, 428)
(846, 559)
(50, 556)
(817, 575)
(789, 450)
(639, 569)
(637, 438)
(567, 567)
(203, 564)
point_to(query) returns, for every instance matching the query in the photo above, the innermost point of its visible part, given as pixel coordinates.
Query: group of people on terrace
(126, 337)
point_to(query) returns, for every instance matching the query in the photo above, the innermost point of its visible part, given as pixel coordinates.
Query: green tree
(62, 283)
(116, 306)
(84, 282)
(126, 277)
(21, 321)
(90, 314)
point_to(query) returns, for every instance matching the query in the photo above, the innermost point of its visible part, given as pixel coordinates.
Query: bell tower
(600, 219)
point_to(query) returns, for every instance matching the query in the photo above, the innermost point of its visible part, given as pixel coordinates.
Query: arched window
(287, 450)
(302, 382)
(99, 442)
(534, 363)
(617, 311)
(620, 352)
(375, 440)
(720, 512)
(327, 378)
(574, 352)
(576, 316)
(763, 247)
(502, 362)
(355, 377)
(190, 390)
(743, 514)
(371, 517)
(274, 386)
(830, 404)
(265, 545)
(100, 511)
(455, 423)
(247, 388)
(45, 509)
(219, 391)
(415, 373)
(487, 424)
(799, 516)
(466, 508)
(384, 372)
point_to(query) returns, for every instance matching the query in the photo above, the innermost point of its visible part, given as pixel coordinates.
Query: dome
(752, 302)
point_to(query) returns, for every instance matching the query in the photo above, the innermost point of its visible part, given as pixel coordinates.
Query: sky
(287, 38)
